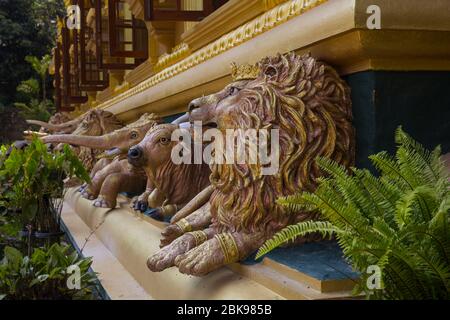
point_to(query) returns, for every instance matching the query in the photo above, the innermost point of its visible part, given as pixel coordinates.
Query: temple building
(132, 57)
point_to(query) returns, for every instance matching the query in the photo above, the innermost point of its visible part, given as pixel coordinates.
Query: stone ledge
(115, 279)
(132, 237)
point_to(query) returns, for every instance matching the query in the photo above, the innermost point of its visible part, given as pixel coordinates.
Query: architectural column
(161, 38)
(191, 5)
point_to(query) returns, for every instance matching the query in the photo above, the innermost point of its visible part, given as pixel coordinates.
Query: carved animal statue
(57, 119)
(96, 122)
(63, 127)
(118, 176)
(177, 183)
(112, 174)
(310, 105)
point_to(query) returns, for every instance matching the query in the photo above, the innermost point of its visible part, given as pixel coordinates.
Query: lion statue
(310, 105)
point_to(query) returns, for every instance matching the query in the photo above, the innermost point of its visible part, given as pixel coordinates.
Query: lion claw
(140, 205)
(82, 188)
(103, 203)
(165, 257)
(169, 234)
(88, 194)
(201, 260)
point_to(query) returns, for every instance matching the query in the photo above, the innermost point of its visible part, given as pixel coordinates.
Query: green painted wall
(419, 101)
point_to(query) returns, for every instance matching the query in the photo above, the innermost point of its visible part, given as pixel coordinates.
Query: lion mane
(310, 105)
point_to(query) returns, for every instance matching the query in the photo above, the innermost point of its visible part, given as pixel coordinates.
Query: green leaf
(30, 209)
(14, 257)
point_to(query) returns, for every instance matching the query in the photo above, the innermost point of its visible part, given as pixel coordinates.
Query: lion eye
(133, 135)
(234, 91)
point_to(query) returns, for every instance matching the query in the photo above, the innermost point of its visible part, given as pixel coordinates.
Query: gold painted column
(161, 38)
(191, 5)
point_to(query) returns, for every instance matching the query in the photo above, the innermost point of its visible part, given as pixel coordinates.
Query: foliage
(45, 274)
(40, 66)
(29, 88)
(35, 109)
(31, 107)
(27, 27)
(32, 183)
(398, 221)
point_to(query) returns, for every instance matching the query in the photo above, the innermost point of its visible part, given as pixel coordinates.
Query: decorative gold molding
(225, 19)
(140, 73)
(180, 52)
(261, 24)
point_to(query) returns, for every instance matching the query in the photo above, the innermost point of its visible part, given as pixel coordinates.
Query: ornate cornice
(247, 31)
(225, 19)
(180, 52)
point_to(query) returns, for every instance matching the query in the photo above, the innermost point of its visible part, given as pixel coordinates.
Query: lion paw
(101, 202)
(140, 205)
(169, 234)
(165, 257)
(201, 260)
(89, 194)
(83, 187)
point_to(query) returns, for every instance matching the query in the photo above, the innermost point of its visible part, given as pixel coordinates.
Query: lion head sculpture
(309, 104)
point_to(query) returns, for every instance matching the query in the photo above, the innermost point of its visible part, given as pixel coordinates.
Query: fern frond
(350, 187)
(420, 160)
(301, 229)
(390, 169)
(339, 213)
(294, 203)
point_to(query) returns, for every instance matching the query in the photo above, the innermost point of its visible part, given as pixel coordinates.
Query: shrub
(47, 274)
(32, 186)
(398, 221)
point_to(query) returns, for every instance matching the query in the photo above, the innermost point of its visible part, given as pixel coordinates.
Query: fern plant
(397, 221)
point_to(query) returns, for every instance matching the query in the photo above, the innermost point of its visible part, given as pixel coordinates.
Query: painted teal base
(320, 260)
(382, 101)
(173, 117)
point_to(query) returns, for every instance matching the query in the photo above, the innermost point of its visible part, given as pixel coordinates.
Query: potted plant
(33, 189)
(56, 272)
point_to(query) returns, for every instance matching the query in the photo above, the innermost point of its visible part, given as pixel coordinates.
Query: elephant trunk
(94, 142)
(64, 127)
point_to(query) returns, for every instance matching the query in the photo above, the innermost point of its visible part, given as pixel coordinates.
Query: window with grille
(71, 91)
(121, 40)
(92, 78)
(173, 10)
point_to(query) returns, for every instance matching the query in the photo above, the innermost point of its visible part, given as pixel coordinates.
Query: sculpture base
(120, 241)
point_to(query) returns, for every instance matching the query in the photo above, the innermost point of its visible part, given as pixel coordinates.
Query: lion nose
(135, 153)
